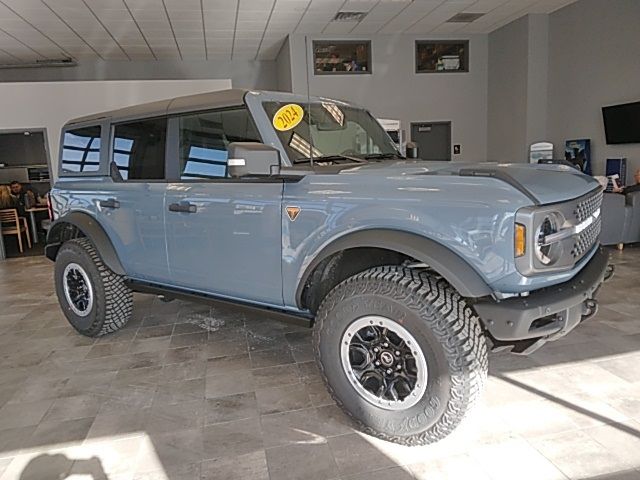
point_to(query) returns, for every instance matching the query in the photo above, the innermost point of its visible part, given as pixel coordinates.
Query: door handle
(109, 203)
(183, 207)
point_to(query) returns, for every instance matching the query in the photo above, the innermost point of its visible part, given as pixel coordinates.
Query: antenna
(306, 62)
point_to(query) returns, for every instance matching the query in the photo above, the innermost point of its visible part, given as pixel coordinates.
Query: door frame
(439, 122)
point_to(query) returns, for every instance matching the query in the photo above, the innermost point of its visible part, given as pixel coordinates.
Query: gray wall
(243, 73)
(283, 66)
(395, 91)
(507, 103)
(593, 61)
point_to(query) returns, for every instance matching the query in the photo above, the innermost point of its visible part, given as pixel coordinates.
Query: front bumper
(524, 324)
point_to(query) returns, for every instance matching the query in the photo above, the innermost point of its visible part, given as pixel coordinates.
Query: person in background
(23, 197)
(6, 200)
(630, 188)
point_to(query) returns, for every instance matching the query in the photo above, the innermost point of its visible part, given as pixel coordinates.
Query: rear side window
(204, 139)
(81, 150)
(138, 149)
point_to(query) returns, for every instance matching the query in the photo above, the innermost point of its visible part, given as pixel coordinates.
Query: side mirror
(412, 150)
(249, 159)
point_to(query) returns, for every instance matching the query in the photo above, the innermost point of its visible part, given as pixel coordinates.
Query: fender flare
(450, 265)
(92, 229)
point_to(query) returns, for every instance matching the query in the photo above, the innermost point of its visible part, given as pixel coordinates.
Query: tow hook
(609, 273)
(589, 309)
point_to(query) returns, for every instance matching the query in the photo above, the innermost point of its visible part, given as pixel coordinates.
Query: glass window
(341, 57)
(442, 56)
(138, 149)
(81, 150)
(204, 139)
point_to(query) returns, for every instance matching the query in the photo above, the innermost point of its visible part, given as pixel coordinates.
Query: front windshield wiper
(331, 158)
(383, 156)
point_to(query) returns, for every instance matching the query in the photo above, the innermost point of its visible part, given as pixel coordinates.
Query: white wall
(594, 49)
(283, 66)
(395, 91)
(51, 104)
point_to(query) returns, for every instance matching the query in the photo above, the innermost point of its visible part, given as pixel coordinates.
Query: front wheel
(402, 353)
(94, 299)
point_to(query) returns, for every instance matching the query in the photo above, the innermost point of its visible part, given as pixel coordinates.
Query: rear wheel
(402, 353)
(94, 299)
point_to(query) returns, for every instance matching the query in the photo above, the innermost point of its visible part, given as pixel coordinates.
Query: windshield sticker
(288, 117)
(300, 145)
(335, 112)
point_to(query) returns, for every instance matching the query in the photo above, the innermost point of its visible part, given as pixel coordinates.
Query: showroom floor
(187, 391)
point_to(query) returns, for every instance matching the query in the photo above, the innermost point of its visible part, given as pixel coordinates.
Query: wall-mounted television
(622, 123)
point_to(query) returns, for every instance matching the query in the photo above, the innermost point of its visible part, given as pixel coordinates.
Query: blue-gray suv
(409, 271)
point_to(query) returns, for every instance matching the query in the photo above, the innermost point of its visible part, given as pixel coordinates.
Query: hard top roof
(201, 101)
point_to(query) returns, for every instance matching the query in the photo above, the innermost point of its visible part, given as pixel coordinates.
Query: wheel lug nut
(375, 349)
(385, 344)
(389, 370)
(377, 363)
(399, 367)
(397, 353)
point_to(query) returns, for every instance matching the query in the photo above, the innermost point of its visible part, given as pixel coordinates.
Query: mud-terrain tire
(106, 302)
(419, 308)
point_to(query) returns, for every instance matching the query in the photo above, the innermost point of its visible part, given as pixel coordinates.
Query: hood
(543, 184)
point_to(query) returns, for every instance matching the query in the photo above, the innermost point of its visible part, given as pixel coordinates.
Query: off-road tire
(447, 330)
(113, 300)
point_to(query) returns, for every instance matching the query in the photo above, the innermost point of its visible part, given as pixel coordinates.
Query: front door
(433, 140)
(223, 234)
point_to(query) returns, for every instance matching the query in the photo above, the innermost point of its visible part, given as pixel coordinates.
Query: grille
(588, 207)
(585, 239)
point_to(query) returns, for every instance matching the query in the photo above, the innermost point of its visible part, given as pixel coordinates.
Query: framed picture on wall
(341, 57)
(578, 152)
(442, 56)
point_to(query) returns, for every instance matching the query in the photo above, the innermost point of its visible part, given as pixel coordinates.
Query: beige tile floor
(242, 399)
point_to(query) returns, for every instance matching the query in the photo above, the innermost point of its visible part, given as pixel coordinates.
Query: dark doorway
(433, 140)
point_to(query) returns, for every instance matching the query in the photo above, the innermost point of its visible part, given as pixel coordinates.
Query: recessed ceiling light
(464, 17)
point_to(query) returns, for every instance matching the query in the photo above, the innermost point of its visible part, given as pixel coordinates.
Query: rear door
(223, 234)
(131, 209)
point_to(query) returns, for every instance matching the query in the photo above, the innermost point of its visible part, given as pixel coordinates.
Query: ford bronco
(409, 271)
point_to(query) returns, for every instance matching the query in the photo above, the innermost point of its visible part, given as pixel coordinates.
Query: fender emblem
(293, 212)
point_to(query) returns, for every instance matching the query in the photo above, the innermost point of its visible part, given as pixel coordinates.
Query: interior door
(223, 234)
(433, 140)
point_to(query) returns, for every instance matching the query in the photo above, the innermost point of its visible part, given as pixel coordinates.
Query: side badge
(293, 213)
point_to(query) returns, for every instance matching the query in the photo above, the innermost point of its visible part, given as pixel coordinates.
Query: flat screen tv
(622, 123)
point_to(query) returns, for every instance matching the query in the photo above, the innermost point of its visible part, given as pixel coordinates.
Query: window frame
(173, 148)
(112, 141)
(103, 156)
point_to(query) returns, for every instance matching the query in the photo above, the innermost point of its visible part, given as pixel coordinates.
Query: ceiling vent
(61, 62)
(349, 16)
(465, 17)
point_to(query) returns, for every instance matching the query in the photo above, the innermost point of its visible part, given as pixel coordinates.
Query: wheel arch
(81, 224)
(377, 247)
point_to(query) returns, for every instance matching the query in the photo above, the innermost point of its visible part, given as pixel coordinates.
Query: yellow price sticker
(288, 117)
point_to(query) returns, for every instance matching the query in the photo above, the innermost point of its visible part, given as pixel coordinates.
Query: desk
(32, 217)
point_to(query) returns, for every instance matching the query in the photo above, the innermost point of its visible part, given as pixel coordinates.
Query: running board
(304, 319)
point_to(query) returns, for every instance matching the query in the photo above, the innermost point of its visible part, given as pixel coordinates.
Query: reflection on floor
(186, 391)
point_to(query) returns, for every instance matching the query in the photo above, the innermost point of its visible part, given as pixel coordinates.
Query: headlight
(547, 250)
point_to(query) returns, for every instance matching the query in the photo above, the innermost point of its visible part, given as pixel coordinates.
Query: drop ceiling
(143, 30)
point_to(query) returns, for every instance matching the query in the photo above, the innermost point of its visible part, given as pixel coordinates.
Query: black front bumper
(524, 324)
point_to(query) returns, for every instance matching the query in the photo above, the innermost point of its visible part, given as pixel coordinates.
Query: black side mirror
(250, 159)
(412, 150)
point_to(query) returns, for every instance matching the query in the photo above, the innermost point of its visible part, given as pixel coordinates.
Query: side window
(138, 149)
(204, 139)
(81, 150)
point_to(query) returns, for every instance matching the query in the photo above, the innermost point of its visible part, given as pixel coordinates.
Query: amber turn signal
(520, 240)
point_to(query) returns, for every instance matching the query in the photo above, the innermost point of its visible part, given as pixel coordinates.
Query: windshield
(328, 131)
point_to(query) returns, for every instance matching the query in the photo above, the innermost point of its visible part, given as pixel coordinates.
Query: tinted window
(81, 150)
(204, 139)
(138, 149)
